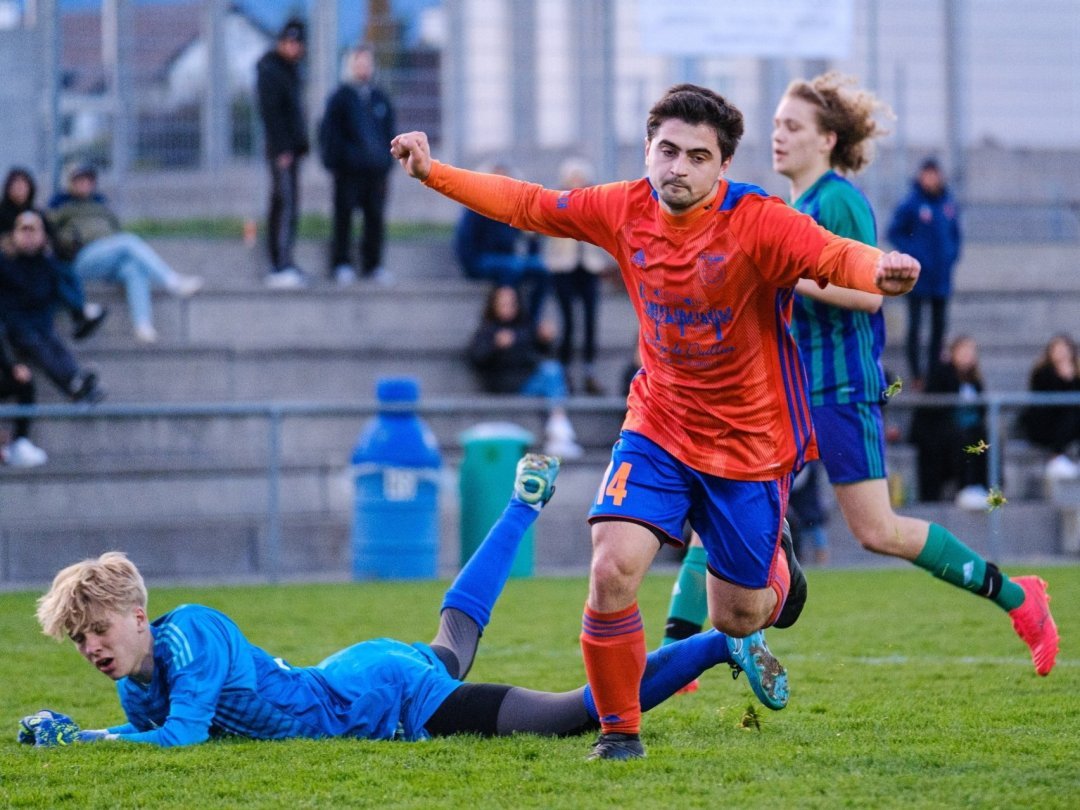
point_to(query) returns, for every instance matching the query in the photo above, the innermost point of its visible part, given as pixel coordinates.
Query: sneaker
(796, 598)
(287, 279)
(381, 276)
(186, 286)
(24, 453)
(1034, 624)
(344, 275)
(85, 389)
(88, 320)
(767, 676)
(145, 333)
(613, 745)
(972, 498)
(1062, 468)
(534, 481)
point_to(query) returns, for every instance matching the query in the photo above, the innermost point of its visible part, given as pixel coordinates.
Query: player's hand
(896, 273)
(412, 151)
(48, 729)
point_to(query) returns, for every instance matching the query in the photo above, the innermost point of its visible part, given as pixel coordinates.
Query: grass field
(905, 693)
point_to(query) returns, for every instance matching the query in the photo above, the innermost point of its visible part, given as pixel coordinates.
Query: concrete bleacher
(188, 495)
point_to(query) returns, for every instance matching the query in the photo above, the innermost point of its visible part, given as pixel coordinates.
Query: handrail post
(273, 501)
(994, 473)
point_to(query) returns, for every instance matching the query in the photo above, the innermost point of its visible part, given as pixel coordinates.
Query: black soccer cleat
(614, 745)
(796, 598)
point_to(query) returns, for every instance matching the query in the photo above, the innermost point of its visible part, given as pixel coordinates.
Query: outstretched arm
(842, 297)
(896, 273)
(413, 152)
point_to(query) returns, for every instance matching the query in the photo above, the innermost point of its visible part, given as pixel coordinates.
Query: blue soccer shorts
(851, 441)
(739, 521)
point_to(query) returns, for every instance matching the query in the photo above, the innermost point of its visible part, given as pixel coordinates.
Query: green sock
(951, 561)
(689, 606)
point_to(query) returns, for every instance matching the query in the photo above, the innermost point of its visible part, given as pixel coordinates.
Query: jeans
(547, 381)
(23, 393)
(125, 258)
(366, 191)
(41, 346)
(284, 213)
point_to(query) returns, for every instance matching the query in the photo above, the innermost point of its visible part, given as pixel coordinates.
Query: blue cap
(397, 389)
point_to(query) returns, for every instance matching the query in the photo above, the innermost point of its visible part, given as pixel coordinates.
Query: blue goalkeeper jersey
(841, 349)
(209, 680)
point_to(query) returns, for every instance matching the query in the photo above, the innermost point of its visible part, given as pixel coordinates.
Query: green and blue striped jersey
(841, 349)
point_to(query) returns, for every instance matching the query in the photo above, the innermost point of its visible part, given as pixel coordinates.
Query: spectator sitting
(494, 251)
(942, 434)
(29, 294)
(575, 274)
(18, 196)
(1056, 427)
(509, 353)
(88, 233)
(17, 382)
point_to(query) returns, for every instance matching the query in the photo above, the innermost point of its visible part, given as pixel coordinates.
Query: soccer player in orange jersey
(718, 417)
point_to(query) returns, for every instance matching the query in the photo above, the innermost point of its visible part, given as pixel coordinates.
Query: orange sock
(780, 582)
(613, 646)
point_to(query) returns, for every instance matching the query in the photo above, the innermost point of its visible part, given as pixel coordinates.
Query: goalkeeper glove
(47, 729)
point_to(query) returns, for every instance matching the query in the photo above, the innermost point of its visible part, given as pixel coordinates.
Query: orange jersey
(723, 388)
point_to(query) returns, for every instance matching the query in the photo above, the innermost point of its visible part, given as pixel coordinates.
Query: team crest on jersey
(711, 269)
(638, 259)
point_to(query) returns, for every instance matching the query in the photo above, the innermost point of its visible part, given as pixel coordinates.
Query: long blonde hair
(83, 593)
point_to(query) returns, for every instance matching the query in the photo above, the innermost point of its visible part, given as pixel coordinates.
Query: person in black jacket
(29, 295)
(943, 435)
(17, 382)
(280, 92)
(512, 355)
(1056, 428)
(354, 141)
(18, 196)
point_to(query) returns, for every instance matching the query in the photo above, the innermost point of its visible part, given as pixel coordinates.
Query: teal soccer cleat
(767, 676)
(534, 482)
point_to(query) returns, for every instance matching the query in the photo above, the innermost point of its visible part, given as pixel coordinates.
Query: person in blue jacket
(191, 674)
(926, 225)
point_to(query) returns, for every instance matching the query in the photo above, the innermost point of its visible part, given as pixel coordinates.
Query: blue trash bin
(396, 464)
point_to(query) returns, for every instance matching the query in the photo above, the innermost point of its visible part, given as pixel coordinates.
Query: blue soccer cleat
(534, 482)
(767, 676)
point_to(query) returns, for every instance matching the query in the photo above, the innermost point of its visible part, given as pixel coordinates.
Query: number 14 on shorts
(614, 485)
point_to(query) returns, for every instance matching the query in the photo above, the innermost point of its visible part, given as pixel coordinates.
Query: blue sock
(480, 582)
(673, 666)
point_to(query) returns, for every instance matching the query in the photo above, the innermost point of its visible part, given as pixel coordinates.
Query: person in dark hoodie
(29, 295)
(280, 91)
(354, 141)
(926, 225)
(19, 192)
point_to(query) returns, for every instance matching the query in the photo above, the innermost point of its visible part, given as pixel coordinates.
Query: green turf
(905, 693)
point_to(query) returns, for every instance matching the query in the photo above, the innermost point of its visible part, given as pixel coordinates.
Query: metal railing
(996, 405)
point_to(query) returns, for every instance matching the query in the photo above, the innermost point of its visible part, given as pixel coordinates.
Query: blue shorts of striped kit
(851, 441)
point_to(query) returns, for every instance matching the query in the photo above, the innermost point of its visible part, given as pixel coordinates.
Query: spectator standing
(576, 268)
(927, 226)
(89, 235)
(1057, 427)
(17, 382)
(511, 355)
(279, 85)
(942, 434)
(19, 193)
(354, 141)
(29, 294)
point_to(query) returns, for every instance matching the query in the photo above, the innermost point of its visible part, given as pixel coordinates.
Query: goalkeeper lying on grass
(191, 675)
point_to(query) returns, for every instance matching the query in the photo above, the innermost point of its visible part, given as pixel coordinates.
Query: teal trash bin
(396, 464)
(486, 481)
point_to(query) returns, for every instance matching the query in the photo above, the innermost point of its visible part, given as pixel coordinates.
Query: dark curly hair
(699, 105)
(849, 112)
